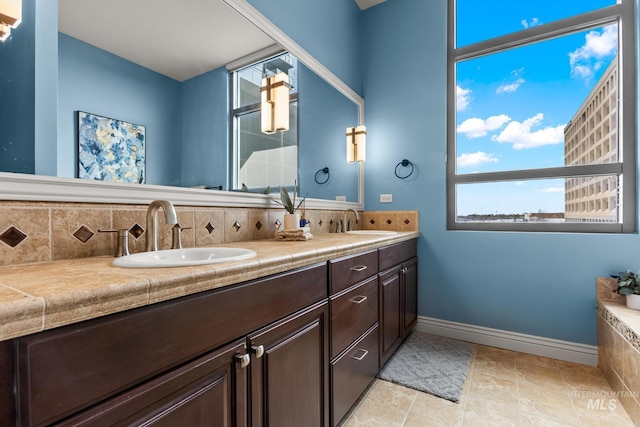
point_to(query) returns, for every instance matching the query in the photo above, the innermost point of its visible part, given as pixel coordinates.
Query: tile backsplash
(47, 231)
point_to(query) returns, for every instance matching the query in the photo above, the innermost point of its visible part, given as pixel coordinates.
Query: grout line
(406, 415)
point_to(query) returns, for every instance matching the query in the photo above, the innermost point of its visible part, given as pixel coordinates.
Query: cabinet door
(210, 391)
(7, 384)
(410, 289)
(289, 378)
(391, 321)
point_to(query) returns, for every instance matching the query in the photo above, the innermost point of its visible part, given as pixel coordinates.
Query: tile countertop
(40, 296)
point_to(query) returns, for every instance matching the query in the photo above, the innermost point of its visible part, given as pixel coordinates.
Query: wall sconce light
(356, 144)
(10, 17)
(274, 103)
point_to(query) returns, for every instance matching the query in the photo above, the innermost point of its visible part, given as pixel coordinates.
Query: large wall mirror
(166, 67)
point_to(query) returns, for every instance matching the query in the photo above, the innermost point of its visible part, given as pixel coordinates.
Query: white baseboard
(547, 347)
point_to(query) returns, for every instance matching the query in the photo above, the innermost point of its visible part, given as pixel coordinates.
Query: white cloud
(463, 97)
(551, 190)
(533, 23)
(598, 46)
(521, 136)
(511, 87)
(475, 127)
(470, 160)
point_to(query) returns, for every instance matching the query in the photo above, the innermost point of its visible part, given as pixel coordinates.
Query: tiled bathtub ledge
(39, 296)
(625, 321)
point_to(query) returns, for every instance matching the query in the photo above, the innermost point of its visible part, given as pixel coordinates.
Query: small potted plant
(291, 218)
(629, 285)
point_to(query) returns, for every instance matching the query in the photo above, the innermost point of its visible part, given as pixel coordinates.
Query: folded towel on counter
(295, 237)
(299, 234)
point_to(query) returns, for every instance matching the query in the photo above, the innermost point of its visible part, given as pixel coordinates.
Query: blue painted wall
(17, 95)
(205, 129)
(534, 283)
(47, 158)
(98, 82)
(329, 30)
(324, 117)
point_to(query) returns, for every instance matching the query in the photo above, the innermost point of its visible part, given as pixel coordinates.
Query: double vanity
(290, 337)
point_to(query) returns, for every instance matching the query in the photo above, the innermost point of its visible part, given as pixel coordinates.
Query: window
(263, 161)
(541, 128)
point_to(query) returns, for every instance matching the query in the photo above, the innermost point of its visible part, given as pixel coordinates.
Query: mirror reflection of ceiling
(130, 30)
(365, 4)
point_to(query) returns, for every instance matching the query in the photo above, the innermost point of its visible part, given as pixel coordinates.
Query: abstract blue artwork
(110, 150)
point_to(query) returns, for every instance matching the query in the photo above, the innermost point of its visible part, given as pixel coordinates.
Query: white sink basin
(373, 232)
(182, 257)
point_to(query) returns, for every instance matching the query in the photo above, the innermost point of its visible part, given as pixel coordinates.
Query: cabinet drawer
(394, 254)
(348, 271)
(353, 372)
(65, 370)
(352, 313)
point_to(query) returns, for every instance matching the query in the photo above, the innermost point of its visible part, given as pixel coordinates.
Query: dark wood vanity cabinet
(181, 362)
(292, 349)
(208, 391)
(290, 371)
(398, 295)
(354, 328)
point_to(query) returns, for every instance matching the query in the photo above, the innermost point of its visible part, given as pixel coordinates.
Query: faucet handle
(122, 247)
(176, 236)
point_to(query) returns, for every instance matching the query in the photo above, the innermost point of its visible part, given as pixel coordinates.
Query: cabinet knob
(258, 350)
(358, 299)
(362, 356)
(244, 360)
(359, 268)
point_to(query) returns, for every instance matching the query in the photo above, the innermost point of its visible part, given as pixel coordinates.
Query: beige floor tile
(547, 403)
(503, 388)
(428, 411)
(374, 413)
(479, 411)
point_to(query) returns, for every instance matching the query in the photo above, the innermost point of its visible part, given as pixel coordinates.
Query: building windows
(263, 161)
(541, 134)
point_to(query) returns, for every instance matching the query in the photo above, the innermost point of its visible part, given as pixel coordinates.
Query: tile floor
(503, 388)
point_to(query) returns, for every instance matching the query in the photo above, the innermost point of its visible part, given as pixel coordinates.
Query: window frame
(623, 14)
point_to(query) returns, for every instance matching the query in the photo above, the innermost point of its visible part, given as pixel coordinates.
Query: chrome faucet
(152, 221)
(346, 224)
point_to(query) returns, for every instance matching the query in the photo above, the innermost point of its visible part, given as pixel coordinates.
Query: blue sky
(513, 106)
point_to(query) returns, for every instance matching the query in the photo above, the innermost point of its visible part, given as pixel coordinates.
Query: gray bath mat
(429, 363)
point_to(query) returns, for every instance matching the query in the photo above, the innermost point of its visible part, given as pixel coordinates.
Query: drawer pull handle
(258, 350)
(364, 354)
(359, 268)
(358, 299)
(244, 360)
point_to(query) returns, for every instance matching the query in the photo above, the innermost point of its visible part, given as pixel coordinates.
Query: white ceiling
(180, 39)
(365, 4)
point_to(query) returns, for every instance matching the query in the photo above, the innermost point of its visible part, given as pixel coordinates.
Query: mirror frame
(24, 187)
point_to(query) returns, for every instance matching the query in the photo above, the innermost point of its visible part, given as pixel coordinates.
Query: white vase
(633, 301)
(291, 221)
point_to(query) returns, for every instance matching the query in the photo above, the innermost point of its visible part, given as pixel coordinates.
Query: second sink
(183, 257)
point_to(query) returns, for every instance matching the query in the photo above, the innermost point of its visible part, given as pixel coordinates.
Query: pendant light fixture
(274, 103)
(356, 144)
(10, 17)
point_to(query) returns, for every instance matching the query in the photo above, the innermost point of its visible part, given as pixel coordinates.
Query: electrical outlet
(386, 198)
(341, 198)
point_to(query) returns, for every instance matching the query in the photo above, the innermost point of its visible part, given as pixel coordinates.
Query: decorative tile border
(46, 231)
(631, 336)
